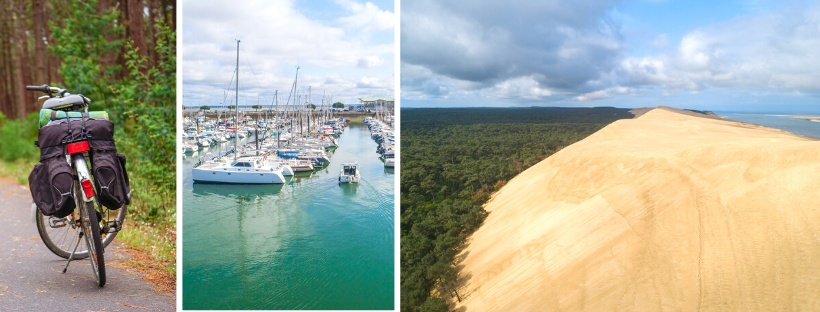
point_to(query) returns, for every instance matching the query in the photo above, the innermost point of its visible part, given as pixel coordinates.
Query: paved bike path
(30, 278)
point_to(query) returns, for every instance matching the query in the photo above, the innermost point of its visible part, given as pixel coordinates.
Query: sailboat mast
(310, 110)
(236, 107)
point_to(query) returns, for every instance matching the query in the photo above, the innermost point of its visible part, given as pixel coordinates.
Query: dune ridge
(667, 211)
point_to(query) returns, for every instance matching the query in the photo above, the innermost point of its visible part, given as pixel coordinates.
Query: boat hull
(348, 179)
(236, 177)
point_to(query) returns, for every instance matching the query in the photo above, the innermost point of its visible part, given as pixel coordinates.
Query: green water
(308, 244)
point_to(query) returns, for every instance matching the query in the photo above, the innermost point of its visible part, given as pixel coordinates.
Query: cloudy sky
(736, 55)
(344, 48)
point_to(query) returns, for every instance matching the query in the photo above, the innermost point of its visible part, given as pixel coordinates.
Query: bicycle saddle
(64, 102)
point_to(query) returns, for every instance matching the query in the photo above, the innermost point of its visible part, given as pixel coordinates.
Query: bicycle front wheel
(91, 228)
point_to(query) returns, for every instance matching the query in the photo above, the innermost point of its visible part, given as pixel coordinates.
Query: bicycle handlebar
(44, 88)
(47, 89)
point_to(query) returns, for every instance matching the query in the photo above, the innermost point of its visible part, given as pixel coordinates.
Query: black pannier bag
(110, 177)
(51, 184)
(106, 167)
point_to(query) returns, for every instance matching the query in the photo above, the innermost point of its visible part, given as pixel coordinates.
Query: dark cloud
(562, 45)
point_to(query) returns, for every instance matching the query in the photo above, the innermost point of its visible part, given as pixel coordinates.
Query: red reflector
(89, 191)
(78, 147)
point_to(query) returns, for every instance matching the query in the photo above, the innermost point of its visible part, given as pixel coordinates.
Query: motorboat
(349, 173)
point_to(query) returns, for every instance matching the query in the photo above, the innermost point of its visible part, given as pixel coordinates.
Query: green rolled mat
(45, 115)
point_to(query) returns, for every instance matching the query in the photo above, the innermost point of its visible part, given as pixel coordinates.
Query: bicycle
(92, 221)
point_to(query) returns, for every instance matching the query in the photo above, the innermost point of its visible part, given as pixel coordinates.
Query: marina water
(310, 243)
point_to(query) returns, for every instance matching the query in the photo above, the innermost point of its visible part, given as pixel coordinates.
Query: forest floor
(31, 279)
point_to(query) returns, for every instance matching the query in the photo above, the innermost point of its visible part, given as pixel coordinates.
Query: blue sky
(344, 48)
(748, 56)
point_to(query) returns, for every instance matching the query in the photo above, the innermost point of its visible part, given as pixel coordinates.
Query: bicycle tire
(92, 238)
(56, 240)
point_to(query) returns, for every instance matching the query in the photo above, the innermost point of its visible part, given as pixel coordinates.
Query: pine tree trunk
(54, 77)
(107, 60)
(26, 99)
(153, 11)
(6, 94)
(137, 26)
(40, 53)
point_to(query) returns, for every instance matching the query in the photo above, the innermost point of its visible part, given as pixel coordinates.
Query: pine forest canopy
(31, 53)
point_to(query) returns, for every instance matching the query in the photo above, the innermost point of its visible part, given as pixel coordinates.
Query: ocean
(793, 125)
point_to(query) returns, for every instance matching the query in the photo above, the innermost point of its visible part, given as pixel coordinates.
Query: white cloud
(372, 83)
(520, 87)
(605, 93)
(774, 50)
(367, 16)
(276, 37)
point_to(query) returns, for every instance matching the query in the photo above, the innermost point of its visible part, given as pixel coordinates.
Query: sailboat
(239, 171)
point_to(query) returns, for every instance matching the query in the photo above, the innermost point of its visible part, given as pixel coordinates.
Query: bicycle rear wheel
(60, 234)
(91, 228)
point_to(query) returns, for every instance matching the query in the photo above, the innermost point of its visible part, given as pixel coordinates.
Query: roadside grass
(153, 251)
(17, 170)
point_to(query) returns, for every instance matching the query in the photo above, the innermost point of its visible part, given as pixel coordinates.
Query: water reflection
(238, 190)
(349, 188)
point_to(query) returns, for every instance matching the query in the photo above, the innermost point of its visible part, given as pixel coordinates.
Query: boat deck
(209, 165)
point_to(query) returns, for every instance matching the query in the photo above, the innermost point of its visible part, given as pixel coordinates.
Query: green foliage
(145, 108)
(80, 43)
(18, 138)
(434, 304)
(338, 105)
(232, 107)
(205, 107)
(311, 106)
(452, 160)
(257, 107)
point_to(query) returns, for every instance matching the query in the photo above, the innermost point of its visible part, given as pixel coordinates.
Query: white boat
(273, 162)
(187, 148)
(244, 171)
(248, 170)
(299, 165)
(349, 173)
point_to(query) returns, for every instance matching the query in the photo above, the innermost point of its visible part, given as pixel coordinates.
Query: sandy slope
(664, 212)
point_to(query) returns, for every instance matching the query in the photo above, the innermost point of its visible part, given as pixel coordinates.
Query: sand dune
(664, 212)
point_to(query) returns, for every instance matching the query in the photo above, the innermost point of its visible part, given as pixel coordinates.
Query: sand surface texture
(664, 212)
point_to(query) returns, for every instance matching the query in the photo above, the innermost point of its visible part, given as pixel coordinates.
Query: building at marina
(374, 102)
